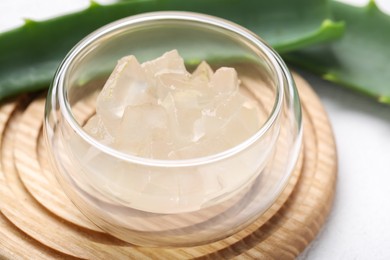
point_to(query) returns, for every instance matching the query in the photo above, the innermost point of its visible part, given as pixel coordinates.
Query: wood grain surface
(38, 221)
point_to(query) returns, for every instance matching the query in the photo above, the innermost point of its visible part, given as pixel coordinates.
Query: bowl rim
(272, 58)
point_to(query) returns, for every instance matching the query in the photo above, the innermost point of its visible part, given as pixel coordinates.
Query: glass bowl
(172, 203)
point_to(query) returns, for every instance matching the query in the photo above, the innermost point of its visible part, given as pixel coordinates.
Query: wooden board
(38, 221)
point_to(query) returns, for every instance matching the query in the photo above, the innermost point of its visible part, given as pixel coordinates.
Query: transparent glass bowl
(173, 202)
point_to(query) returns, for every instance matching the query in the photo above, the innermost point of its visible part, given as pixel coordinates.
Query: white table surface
(359, 224)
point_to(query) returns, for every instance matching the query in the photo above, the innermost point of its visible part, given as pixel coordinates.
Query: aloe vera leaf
(30, 54)
(286, 25)
(361, 59)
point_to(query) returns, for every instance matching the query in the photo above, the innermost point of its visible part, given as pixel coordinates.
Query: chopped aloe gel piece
(159, 110)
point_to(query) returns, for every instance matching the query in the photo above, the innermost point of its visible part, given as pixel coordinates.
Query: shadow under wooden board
(38, 221)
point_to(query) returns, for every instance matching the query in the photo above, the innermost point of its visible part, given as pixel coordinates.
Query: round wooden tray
(38, 221)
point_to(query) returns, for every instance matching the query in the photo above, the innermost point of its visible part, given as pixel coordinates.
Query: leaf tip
(330, 23)
(327, 23)
(193, 61)
(28, 21)
(372, 5)
(338, 26)
(93, 4)
(384, 99)
(330, 77)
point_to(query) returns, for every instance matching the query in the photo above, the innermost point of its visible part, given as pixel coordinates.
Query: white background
(359, 224)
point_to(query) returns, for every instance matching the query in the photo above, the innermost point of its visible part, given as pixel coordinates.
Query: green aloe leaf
(361, 59)
(29, 55)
